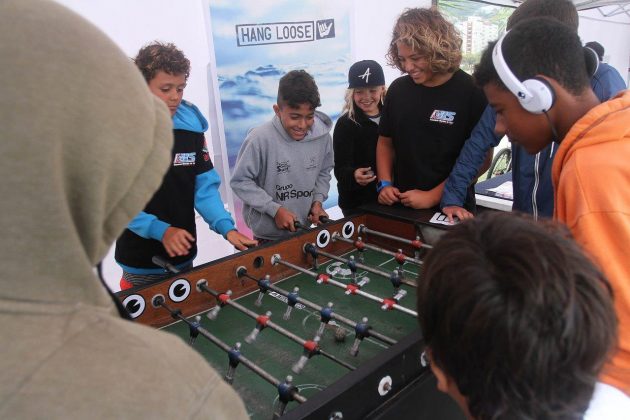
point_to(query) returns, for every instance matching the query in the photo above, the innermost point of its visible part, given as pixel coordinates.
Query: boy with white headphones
(531, 175)
(535, 78)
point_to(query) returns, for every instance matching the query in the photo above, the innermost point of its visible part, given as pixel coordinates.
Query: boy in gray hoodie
(282, 171)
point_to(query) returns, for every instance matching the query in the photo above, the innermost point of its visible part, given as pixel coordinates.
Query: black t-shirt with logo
(428, 127)
(173, 203)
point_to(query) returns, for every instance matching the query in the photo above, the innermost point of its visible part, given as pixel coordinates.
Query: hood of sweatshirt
(84, 145)
(594, 128)
(320, 128)
(188, 117)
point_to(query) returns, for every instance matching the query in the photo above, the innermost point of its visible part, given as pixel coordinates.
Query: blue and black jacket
(190, 183)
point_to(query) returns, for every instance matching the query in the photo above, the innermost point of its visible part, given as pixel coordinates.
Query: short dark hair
(539, 46)
(597, 47)
(523, 322)
(562, 10)
(158, 56)
(297, 87)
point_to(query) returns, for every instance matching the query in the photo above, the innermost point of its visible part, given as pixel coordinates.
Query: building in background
(476, 33)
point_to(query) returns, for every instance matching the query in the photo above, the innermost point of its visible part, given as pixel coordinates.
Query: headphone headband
(505, 74)
(535, 95)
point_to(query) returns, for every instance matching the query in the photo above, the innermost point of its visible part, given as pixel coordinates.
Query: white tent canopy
(607, 8)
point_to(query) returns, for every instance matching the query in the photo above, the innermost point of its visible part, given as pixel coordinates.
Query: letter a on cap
(365, 76)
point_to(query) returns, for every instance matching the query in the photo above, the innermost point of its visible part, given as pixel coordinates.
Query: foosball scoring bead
(361, 330)
(194, 330)
(261, 323)
(292, 299)
(325, 315)
(234, 357)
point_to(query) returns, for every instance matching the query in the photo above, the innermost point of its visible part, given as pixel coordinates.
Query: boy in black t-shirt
(166, 228)
(428, 114)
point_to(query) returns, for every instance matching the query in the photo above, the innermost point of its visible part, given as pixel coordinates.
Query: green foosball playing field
(277, 354)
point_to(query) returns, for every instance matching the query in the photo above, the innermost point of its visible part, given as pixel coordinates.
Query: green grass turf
(276, 354)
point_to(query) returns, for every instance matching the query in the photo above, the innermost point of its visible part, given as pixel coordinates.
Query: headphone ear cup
(543, 95)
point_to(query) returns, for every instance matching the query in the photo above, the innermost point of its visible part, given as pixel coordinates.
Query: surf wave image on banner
(257, 42)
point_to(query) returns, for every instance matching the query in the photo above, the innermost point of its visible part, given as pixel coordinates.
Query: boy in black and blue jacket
(166, 228)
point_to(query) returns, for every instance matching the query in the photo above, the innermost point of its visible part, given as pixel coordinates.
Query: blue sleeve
(482, 138)
(148, 226)
(209, 204)
(607, 82)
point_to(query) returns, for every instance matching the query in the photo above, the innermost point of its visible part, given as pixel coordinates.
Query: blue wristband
(382, 184)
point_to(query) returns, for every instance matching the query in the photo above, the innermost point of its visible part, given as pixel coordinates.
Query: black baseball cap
(365, 73)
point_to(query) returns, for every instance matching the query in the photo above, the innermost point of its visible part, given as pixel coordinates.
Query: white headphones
(535, 95)
(592, 61)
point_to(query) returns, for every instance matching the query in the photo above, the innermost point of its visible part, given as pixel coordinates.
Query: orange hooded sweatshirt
(591, 178)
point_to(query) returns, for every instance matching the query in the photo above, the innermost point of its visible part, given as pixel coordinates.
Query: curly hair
(523, 323)
(350, 108)
(297, 87)
(159, 56)
(429, 34)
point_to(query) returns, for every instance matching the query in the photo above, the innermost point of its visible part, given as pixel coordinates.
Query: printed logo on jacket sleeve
(184, 159)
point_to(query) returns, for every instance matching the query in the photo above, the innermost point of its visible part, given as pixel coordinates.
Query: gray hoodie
(75, 112)
(273, 170)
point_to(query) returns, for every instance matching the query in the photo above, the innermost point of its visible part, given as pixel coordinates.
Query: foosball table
(322, 325)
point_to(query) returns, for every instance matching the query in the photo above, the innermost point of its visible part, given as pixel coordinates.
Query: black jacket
(354, 146)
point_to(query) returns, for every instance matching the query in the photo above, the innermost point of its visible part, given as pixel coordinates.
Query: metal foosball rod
(292, 297)
(286, 392)
(353, 289)
(395, 277)
(359, 244)
(311, 347)
(298, 225)
(416, 243)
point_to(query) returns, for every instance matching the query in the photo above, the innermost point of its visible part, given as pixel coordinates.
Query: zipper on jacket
(535, 190)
